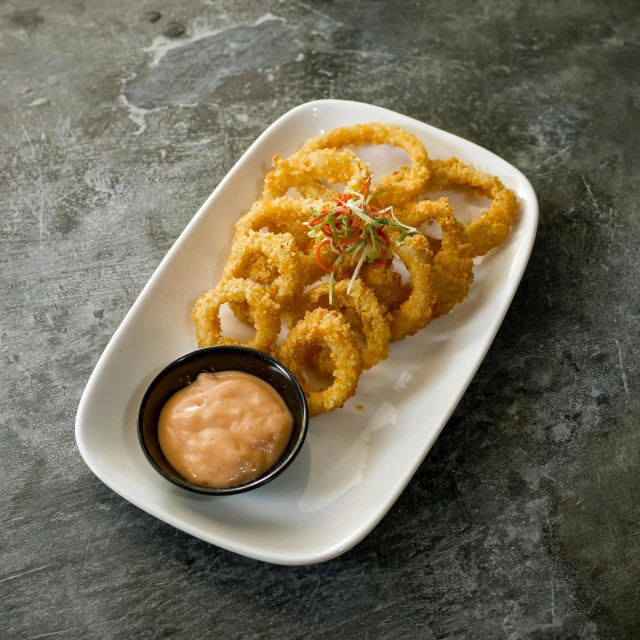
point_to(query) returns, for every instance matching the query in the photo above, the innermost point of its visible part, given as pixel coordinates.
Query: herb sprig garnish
(354, 229)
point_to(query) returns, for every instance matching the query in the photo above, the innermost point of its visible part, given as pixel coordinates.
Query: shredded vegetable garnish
(354, 230)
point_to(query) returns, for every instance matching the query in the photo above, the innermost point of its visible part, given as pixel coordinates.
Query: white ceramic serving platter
(356, 460)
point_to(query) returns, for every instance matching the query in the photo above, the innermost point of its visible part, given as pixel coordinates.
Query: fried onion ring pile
(280, 252)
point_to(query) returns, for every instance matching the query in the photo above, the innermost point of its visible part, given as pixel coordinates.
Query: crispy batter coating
(386, 284)
(265, 313)
(363, 304)
(400, 186)
(304, 171)
(384, 281)
(415, 312)
(492, 227)
(280, 215)
(270, 259)
(283, 272)
(320, 328)
(453, 263)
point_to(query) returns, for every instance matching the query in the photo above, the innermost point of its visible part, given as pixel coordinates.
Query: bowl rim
(273, 472)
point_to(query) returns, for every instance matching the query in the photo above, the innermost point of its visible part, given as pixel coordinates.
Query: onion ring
(492, 227)
(321, 327)
(415, 312)
(383, 280)
(281, 215)
(400, 186)
(386, 284)
(286, 215)
(283, 260)
(265, 314)
(452, 264)
(304, 171)
(363, 304)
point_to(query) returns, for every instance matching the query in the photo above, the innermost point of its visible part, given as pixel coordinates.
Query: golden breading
(386, 284)
(320, 328)
(492, 227)
(364, 305)
(452, 264)
(415, 312)
(280, 215)
(280, 268)
(304, 171)
(400, 186)
(265, 314)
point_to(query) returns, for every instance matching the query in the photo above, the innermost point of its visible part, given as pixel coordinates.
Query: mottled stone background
(118, 118)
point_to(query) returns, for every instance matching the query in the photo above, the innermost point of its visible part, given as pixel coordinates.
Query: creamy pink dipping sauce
(224, 429)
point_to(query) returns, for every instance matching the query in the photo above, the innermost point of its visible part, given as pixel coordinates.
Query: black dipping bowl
(184, 371)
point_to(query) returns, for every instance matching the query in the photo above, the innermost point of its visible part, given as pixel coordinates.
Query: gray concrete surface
(523, 522)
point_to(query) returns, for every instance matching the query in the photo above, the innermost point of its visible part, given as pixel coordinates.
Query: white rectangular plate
(355, 463)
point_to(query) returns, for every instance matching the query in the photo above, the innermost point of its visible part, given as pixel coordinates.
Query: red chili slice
(351, 239)
(318, 219)
(319, 259)
(365, 186)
